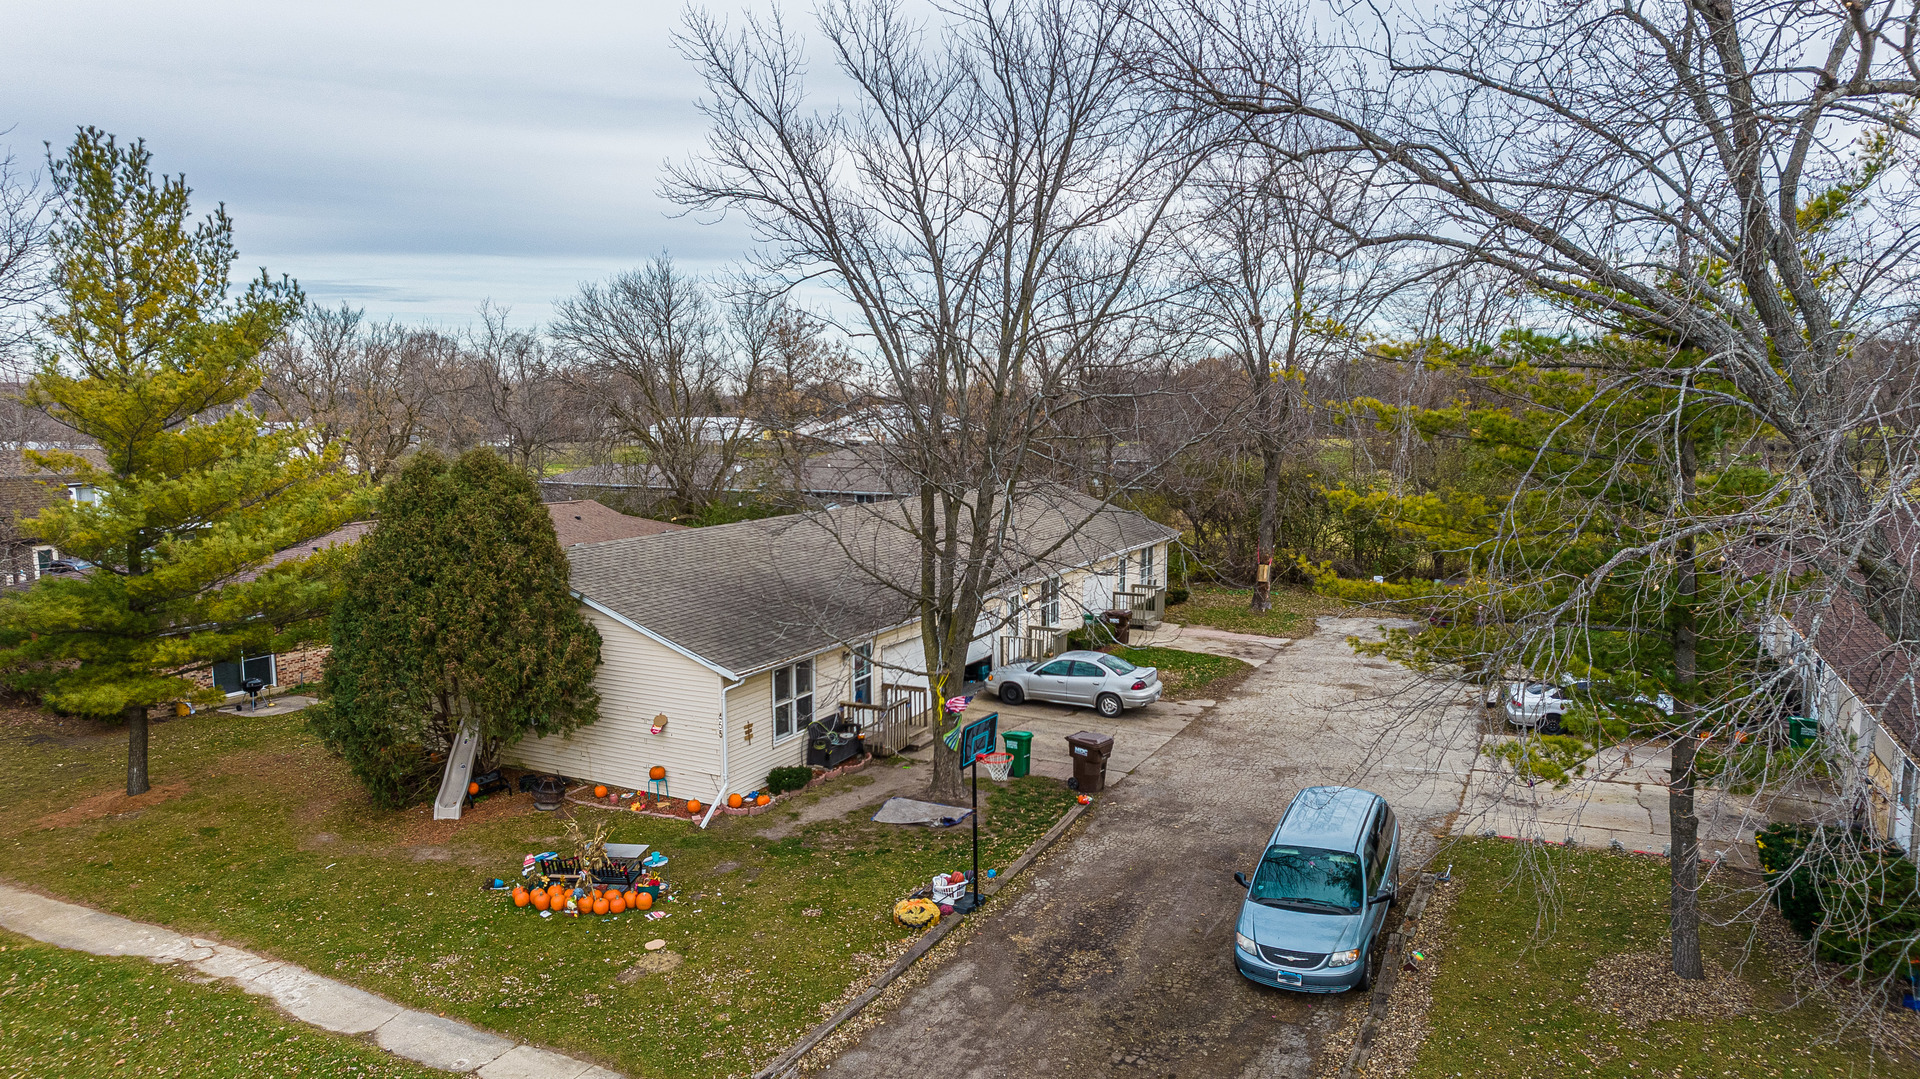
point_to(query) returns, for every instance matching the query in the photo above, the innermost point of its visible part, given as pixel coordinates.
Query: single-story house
(574, 522)
(1859, 685)
(25, 490)
(721, 645)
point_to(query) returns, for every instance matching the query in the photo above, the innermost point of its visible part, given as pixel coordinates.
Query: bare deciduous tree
(672, 384)
(984, 208)
(1729, 182)
(369, 387)
(524, 385)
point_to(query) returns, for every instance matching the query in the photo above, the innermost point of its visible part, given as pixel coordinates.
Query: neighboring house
(1860, 687)
(24, 492)
(579, 521)
(836, 477)
(730, 640)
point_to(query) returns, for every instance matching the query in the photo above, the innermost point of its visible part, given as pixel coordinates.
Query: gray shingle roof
(755, 594)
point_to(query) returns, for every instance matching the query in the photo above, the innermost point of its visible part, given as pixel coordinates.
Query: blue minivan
(1317, 902)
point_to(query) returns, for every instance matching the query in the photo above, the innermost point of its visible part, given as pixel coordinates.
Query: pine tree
(145, 350)
(455, 608)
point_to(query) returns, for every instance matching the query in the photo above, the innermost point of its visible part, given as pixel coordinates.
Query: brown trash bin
(1119, 624)
(1090, 752)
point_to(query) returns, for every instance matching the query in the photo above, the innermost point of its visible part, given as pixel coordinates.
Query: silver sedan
(1095, 679)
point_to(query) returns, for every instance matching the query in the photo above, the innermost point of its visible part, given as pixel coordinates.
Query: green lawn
(67, 1013)
(1292, 613)
(264, 842)
(1503, 1006)
(1184, 673)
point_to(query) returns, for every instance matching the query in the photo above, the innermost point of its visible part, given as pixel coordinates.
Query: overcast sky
(410, 157)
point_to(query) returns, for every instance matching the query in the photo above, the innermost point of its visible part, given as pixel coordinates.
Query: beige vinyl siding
(752, 703)
(639, 679)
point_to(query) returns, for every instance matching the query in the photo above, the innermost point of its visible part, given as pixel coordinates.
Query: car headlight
(1341, 959)
(1243, 942)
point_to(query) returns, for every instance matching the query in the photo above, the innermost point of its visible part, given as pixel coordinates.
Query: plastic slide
(453, 785)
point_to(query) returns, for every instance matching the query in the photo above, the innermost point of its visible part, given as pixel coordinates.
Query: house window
(1050, 601)
(1123, 573)
(83, 494)
(863, 674)
(1146, 567)
(792, 698)
(232, 677)
(43, 557)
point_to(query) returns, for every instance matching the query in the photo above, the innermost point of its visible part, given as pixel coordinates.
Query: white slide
(453, 785)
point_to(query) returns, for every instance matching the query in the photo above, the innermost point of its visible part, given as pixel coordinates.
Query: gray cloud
(414, 158)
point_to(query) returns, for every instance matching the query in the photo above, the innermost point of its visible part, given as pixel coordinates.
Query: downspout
(725, 774)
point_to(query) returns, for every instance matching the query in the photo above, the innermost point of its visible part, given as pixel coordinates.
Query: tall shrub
(455, 609)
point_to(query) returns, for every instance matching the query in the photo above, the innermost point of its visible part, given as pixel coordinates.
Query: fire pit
(548, 791)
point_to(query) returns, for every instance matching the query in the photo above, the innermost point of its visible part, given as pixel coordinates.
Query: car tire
(1550, 723)
(1365, 984)
(1109, 706)
(1012, 694)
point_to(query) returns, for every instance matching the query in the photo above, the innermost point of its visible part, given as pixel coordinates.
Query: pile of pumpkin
(562, 900)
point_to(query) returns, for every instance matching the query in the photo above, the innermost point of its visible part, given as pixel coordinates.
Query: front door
(1099, 593)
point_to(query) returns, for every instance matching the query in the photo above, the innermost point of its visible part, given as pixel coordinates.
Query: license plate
(1288, 979)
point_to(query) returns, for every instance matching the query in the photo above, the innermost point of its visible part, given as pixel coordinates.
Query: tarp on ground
(910, 811)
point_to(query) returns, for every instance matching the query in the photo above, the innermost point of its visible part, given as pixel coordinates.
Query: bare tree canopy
(1727, 180)
(984, 207)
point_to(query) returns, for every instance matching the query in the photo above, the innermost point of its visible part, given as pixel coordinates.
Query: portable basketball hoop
(997, 765)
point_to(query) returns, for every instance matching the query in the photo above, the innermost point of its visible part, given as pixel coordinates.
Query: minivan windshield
(1309, 879)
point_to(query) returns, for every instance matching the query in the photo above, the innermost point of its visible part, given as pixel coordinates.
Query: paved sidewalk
(418, 1036)
(1620, 799)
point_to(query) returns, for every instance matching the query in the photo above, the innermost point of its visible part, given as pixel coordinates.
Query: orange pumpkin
(556, 897)
(601, 906)
(616, 903)
(762, 800)
(520, 896)
(733, 801)
(693, 805)
(541, 901)
(473, 788)
(657, 772)
(643, 901)
(600, 791)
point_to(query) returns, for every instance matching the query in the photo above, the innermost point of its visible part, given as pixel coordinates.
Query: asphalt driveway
(1114, 958)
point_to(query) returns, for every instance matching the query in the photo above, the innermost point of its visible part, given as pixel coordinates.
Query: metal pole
(975, 880)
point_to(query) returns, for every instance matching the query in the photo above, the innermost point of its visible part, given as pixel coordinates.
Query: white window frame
(798, 717)
(1146, 567)
(1050, 601)
(1125, 559)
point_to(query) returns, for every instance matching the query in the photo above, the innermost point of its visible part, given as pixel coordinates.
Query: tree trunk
(1269, 519)
(136, 715)
(949, 771)
(1684, 826)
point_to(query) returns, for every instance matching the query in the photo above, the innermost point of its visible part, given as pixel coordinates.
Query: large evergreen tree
(146, 350)
(455, 608)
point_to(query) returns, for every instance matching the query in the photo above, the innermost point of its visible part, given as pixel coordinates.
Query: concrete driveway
(1114, 957)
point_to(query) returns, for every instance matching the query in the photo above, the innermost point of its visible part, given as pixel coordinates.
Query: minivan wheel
(1110, 706)
(1550, 725)
(1365, 984)
(1011, 694)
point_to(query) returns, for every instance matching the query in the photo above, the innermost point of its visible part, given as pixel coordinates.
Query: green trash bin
(1020, 744)
(1802, 731)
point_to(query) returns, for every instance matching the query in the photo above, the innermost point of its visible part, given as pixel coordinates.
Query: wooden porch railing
(1038, 642)
(1149, 605)
(889, 726)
